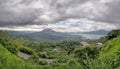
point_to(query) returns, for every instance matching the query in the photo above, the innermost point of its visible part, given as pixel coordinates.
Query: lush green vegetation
(111, 35)
(27, 50)
(68, 54)
(10, 61)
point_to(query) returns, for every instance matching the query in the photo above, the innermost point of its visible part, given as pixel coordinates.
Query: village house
(99, 44)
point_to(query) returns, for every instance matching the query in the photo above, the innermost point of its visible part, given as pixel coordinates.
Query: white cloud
(72, 25)
(80, 25)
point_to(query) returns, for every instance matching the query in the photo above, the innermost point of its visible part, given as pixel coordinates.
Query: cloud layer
(60, 15)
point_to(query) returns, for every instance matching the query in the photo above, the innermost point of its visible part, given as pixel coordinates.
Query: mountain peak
(48, 30)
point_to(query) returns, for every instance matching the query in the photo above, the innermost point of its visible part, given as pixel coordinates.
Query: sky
(59, 15)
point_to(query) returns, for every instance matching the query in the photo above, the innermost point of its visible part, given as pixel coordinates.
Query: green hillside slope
(108, 58)
(110, 54)
(111, 48)
(10, 61)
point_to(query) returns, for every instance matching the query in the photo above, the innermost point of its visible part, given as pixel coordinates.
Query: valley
(69, 54)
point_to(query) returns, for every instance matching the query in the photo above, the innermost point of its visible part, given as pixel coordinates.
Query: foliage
(27, 50)
(67, 54)
(10, 61)
(69, 45)
(83, 53)
(12, 49)
(39, 46)
(111, 50)
(109, 57)
(43, 54)
(42, 62)
(34, 58)
(10, 42)
(111, 35)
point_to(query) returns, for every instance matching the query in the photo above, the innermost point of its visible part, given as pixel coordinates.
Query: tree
(69, 45)
(111, 35)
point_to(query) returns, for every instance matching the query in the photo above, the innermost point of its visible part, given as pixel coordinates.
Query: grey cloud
(23, 12)
(16, 15)
(113, 14)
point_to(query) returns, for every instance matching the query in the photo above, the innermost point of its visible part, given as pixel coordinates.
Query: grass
(109, 58)
(11, 61)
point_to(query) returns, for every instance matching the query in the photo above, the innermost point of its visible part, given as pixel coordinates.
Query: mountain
(98, 32)
(18, 33)
(48, 34)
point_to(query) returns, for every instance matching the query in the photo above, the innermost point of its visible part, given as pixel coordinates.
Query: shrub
(52, 56)
(73, 62)
(42, 62)
(34, 58)
(27, 50)
(91, 51)
(43, 54)
(12, 49)
(62, 60)
(85, 53)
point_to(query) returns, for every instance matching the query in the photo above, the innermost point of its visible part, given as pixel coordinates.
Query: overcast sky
(59, 15)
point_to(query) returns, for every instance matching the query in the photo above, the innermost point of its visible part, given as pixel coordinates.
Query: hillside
(10, 61)
(101, 57)
(110, 54)
(111, 47)
(66, 54)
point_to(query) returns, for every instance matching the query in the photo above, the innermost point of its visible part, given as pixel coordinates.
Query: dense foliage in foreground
(66, 54)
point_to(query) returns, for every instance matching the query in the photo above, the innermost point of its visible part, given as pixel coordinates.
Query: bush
(12, 49)
(85, 53)
(62, 60)
(111, 35)
(42, 62)
(27, 50)
(73, 62)
(91, 51)
(52, 56)
(43, 54)
(34, 58)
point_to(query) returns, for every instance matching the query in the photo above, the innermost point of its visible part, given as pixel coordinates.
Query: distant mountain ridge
(54, 35)
(99, 32)
(48, 34)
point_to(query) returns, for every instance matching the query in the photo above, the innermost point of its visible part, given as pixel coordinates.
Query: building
(99, 44)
